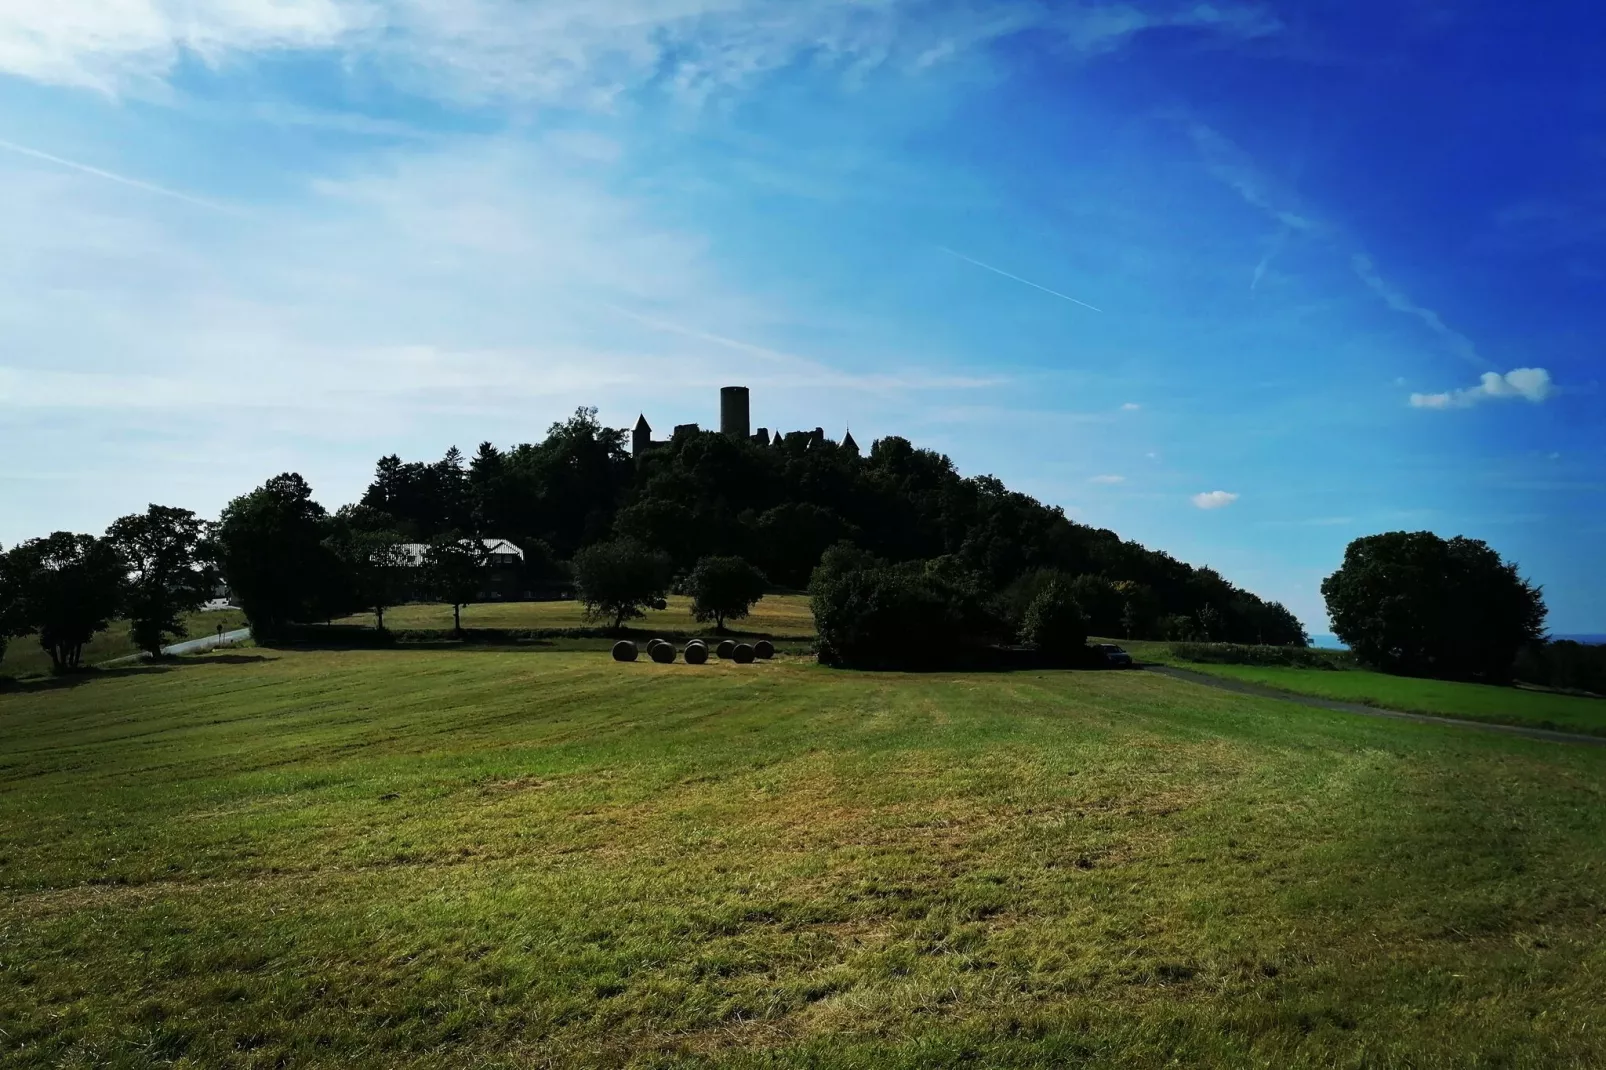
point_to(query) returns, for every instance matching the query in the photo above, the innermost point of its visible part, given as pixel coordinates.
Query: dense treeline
(906, 561)
(781, 506)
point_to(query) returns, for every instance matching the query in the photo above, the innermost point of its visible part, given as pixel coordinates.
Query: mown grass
(1478, 702)
(783, 615)
(447, 858)
(25, 657)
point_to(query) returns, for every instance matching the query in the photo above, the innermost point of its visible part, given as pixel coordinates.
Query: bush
(918, 615)
(1239, 654)
(1054, 623)
(1565, 665)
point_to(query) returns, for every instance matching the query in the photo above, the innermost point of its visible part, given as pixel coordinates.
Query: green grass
(1477, 702)
(25, 657)
(782, 615)
(543, 858)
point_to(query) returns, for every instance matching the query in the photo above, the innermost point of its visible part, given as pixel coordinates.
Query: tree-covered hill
(781, 505)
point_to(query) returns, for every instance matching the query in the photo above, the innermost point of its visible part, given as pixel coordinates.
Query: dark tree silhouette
(455, 571)
(1417, 604)
(272, 552)
(66, 588)
(724, 588)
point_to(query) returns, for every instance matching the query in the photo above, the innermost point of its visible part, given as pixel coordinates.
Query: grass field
(786, 616)
(1477, 702)
(25, 657)
(543, 858)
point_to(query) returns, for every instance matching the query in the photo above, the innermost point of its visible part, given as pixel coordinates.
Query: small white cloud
(1131, 406)
(1532, 384)
(1214, 499)
(1110, 480)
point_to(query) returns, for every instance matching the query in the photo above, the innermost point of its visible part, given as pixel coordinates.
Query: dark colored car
(1114, 656)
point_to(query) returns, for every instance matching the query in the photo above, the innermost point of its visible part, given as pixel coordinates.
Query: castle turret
(848, 444)
(641, 437)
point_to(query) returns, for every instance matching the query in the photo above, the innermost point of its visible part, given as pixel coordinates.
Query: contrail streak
(1017, 278)
(110, 176)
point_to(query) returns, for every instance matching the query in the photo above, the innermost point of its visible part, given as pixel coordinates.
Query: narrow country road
(191, 646)
(1242, 688)
(207, 642)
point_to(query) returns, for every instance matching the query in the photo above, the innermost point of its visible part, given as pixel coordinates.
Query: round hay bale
(696, 654)
(743, 655)
(624, 650)
(663, 653)
(726, 649)
(764, 650)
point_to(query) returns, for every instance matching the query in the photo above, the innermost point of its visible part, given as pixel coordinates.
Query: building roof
(642, 424)
(415, 550)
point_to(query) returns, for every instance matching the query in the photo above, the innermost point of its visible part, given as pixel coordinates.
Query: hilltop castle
(735, 421)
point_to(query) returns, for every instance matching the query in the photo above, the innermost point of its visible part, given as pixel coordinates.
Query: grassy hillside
(25, 657)
(1477, 702)
(443, 858)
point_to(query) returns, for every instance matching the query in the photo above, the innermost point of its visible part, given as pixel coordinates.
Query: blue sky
(1240, 281)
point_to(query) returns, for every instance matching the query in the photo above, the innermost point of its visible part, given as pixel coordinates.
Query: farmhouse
(503, 565)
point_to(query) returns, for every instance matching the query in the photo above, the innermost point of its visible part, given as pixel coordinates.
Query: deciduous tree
(621, 580)
(724, 588)
(1414, 603)
(169, 572)
(455, 571)
(67, 588)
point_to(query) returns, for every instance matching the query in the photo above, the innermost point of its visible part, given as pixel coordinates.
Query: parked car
(1114, 656)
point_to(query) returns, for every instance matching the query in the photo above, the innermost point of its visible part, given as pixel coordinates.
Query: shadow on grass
(78, 677)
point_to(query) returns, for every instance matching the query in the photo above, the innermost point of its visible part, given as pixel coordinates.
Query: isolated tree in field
(1054, 622)
(620, 580)
(1413, 603)
(66, 588)
(169, 572)
(724, 588)
(375, 564)
(455, 571)
(270, 546)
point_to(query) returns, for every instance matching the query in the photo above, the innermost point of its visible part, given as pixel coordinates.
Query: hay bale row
(696, 651)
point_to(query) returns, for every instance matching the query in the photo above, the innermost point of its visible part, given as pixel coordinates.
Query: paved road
(1243, 688)
(207, 642)
(193, 646)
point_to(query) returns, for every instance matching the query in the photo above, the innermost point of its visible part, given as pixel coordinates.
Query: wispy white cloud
(1214, 499)
(1458, 343)
(1131, 406)
(1108, 480)
(1232, 166)
(1530, 384)
(579, 52)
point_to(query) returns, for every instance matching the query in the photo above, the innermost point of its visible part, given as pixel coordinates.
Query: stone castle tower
(735, 421)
